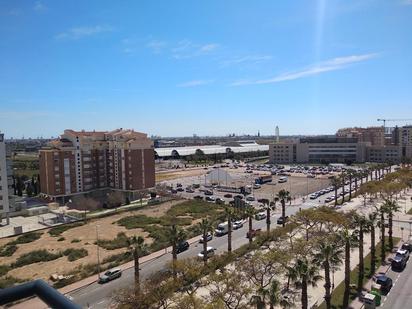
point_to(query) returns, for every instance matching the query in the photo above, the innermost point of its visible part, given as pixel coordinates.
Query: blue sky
(214, 67)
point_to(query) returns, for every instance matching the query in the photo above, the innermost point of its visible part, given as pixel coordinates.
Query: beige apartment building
(4, 192)
(83, 161)
(373, 135)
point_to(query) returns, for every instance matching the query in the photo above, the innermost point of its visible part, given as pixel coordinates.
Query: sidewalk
(36, 303)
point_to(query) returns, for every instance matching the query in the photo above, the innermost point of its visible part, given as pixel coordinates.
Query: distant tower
(277, 134)
(258, 135)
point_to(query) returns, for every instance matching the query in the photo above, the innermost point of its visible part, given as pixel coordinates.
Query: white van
(282, 179)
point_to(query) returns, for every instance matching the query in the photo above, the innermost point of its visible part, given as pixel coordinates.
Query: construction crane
(384, 121)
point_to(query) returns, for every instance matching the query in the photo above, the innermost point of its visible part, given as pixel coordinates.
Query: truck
(263, 179)
(222, 229)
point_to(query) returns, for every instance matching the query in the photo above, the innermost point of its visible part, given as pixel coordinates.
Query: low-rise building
(4, 192)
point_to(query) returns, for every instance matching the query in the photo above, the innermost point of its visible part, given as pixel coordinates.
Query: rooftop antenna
(277, 134)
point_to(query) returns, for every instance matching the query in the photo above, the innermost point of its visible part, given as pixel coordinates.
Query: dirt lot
(175, 174)
(87, 236)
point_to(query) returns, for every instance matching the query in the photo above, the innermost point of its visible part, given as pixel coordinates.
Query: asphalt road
(99, 295)
(400, 296)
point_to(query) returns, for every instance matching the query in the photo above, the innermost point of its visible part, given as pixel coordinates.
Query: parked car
(198, 197)
(407, 246)
(183, 246)
(281, 220)
(180, 189)
(228, 195)
(250, 198)
(110, 275)
(260, 215)
(238, 196)
(253, 233)
(385, 283)
(210, 251)
(209, 237)
(208, 192)
(237, 224)
(190, 190)
(398, 262)
(210, 198)
(404, 253)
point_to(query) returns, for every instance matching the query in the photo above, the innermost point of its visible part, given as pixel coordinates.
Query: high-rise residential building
(373, 135)
(83, 161)
(4, 194)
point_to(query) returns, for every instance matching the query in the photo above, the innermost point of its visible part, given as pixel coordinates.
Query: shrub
(8, 250)
(75, 240)
(26, 238)
(8, 281)
(75, 254)
(139, 221)
(57, 230)
(4, 269)
(117, 259)
(119, 242)
(35, 257)
(61, 239)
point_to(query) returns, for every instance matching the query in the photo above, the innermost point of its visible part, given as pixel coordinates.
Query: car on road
(281, 220)
(190, 190)
(228, 195)
(313, 196)
(210, 251)
(384, 282)
(209, 237)
(398, 262)
(210, 198)
(260, 215)
(183, 246)
(253, 233)
(219, 201)
(208, 192)
(329, 199)
(237, 224)
(250, 198)
(110, 275)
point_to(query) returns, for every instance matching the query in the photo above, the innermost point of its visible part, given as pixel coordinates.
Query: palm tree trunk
(345, 303)
(229, 234)
(174, 259)
(327, 283)
(304, 297)
(268, 219)
(361, 273)
(382, 227)
(283, 212)
(390, 231)
(136, 271)
(350, 188)
(373, 251)
(336, 196)
(204, 247)
(250, 230)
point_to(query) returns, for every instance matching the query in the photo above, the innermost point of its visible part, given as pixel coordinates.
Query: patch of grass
(117, 259)
(139, 221)
(195, 209)
(61, 239)
(57, 230)
(8, 282)
(119, 242)
(75, 254)
(4, 269)
(8, 250)
(75, 240)
(337, 294)
(35, 257)
(26, 238)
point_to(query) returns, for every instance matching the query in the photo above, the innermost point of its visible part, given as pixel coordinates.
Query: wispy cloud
(247, 59)
(81, 32)
(322, 67)
(195, 83)
(39, 6)
(156, 46)
(188, 49)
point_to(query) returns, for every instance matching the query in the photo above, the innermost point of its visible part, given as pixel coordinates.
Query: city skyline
(217, 69)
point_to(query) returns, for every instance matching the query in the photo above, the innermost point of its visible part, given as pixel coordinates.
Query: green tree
(284, 197)
(138, 248)
(250, 212)
(205, 226)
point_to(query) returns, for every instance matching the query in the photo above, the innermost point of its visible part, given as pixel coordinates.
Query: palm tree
(304, 273)
(348, 241)
(276, 297)
(342, 181)
(360, 224)
(329, 255)
(205, 226)
(268, 209)
(349, 173)
(175, 235)
(382, 212)
(284, 197)
(335, 183)
(391, 207)
(229, 213)
(250, 213)
(371, 224)
(138, 248)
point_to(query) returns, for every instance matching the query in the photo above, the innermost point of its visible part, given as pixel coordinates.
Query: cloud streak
(82, 32)
(195, 83)
(322, 67)
(188, 49)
